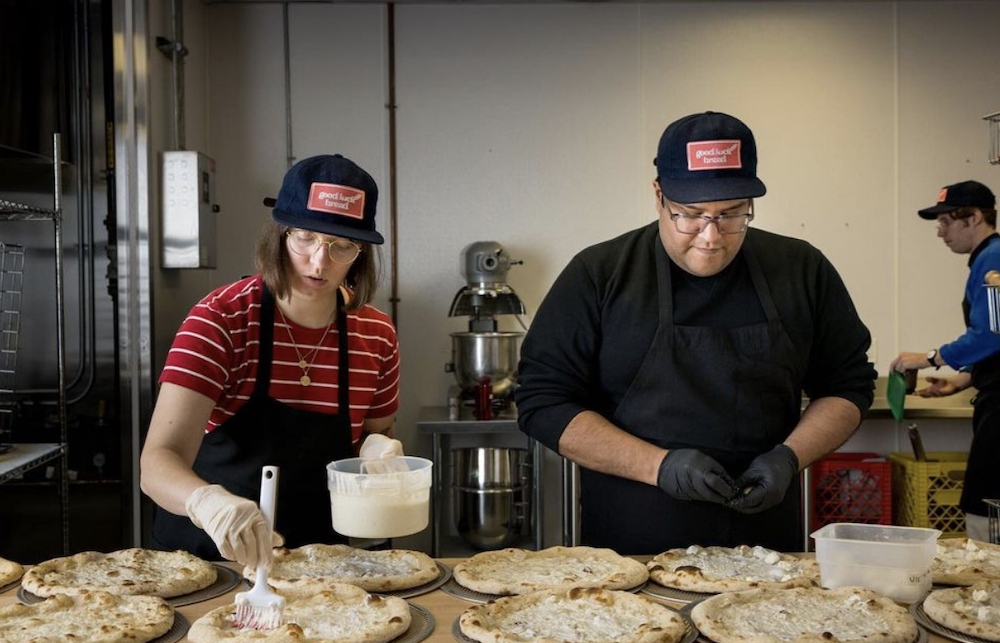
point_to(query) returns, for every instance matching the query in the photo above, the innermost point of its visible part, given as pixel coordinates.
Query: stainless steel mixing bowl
(487, 354)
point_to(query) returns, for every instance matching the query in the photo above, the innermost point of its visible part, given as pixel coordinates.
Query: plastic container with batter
(379, 505)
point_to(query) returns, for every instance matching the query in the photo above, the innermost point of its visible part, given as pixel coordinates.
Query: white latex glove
(379, 453)
(235, 524)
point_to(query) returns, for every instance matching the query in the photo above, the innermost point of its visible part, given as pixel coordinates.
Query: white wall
(536, 126)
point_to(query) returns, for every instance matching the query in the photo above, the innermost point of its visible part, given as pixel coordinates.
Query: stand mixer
(484, 359)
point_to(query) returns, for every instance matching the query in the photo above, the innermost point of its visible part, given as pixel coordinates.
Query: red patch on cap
(337, 199)
(943, 195)
(714, 155)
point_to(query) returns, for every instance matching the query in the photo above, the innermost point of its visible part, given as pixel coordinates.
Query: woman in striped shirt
(289, 367)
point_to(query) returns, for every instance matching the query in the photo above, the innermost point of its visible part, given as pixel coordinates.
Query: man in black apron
(966, 216)
(670, 362)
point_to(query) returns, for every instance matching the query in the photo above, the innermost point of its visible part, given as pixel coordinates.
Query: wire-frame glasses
(306, 243)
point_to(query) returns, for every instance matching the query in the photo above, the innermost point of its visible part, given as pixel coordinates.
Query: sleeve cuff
(547, 424)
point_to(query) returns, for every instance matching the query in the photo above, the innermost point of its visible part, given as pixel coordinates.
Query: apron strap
(265, 348)
(344, 360)
(759, 283)
(664, 289)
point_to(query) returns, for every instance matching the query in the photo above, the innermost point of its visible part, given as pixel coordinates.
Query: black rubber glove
(764, 483)
(689, 474)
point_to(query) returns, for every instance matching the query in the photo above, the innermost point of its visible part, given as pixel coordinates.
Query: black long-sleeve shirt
(591, 333)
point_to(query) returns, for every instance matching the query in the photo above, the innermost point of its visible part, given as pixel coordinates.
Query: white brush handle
(268, 502)
(268, 493)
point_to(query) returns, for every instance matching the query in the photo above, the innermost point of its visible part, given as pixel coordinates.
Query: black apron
(981, 479)
(267, 432)
(732, 394)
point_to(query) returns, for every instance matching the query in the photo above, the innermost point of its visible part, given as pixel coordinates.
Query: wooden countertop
(444, 607)
(958, 406)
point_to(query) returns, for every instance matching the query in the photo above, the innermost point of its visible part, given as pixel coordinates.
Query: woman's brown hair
(271, 259)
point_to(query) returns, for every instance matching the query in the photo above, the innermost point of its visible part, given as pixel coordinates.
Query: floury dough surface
(743, 563)
(726, 569)
(804, 615)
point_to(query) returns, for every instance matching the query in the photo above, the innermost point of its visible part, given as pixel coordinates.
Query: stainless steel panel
(187, 199)
(129, 23)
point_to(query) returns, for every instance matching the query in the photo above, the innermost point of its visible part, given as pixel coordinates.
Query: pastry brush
(260, 608)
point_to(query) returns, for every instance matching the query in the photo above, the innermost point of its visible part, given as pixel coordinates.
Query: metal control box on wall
(189, 210)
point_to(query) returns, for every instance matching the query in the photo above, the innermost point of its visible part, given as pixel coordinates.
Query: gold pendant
(305, 381)
(303, 365)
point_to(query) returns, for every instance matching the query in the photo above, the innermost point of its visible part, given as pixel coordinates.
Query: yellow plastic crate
(926, 494)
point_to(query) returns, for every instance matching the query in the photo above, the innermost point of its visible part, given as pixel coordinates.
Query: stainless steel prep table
(434, 420)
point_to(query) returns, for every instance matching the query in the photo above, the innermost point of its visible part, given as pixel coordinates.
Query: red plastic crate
(851, 487)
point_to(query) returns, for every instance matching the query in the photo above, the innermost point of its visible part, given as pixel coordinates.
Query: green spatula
(896, 394)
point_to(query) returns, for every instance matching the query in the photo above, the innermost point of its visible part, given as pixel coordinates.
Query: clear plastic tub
(379, 505)
(893, 561)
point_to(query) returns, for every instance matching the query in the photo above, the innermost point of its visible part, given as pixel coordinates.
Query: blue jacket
(977, 343)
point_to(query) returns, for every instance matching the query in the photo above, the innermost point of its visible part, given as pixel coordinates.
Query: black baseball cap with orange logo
(328, 194)
(967, 194)
(706, 157)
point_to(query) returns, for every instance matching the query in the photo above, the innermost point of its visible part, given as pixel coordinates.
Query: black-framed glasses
(696, 223)
(306, 243)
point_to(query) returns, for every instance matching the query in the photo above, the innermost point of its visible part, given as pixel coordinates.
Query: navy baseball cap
(708, 157)
(328, 194)
(967, 194)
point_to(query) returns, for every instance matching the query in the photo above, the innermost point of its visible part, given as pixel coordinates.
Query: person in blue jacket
(966, 221)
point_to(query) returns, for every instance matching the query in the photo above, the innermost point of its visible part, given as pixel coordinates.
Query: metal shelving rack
(993, 123)
(28, 456)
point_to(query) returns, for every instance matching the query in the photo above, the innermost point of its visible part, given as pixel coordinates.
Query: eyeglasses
(305, 243)
(946, 221)
(696, 223)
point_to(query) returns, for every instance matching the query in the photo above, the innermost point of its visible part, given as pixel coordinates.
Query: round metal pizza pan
(691, 633)
(176, 632)
(679, 595)
(9, 586)
(459, 591)
(421, 625)
(921, 617)
(444, 574)
(225, 580)
(456, 631)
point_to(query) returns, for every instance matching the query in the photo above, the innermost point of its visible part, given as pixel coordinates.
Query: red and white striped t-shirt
(216, 349)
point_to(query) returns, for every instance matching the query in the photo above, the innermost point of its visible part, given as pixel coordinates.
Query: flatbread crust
(339, 614)
(962, 561)
(125, 572)
(729, 569)
(9, 571)
(577, 615)
(971, 610)
(313, 568)
(87, 617)
(804, 615)
(520, 571)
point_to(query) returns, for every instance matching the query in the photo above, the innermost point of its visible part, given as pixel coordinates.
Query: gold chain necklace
(305, 363)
